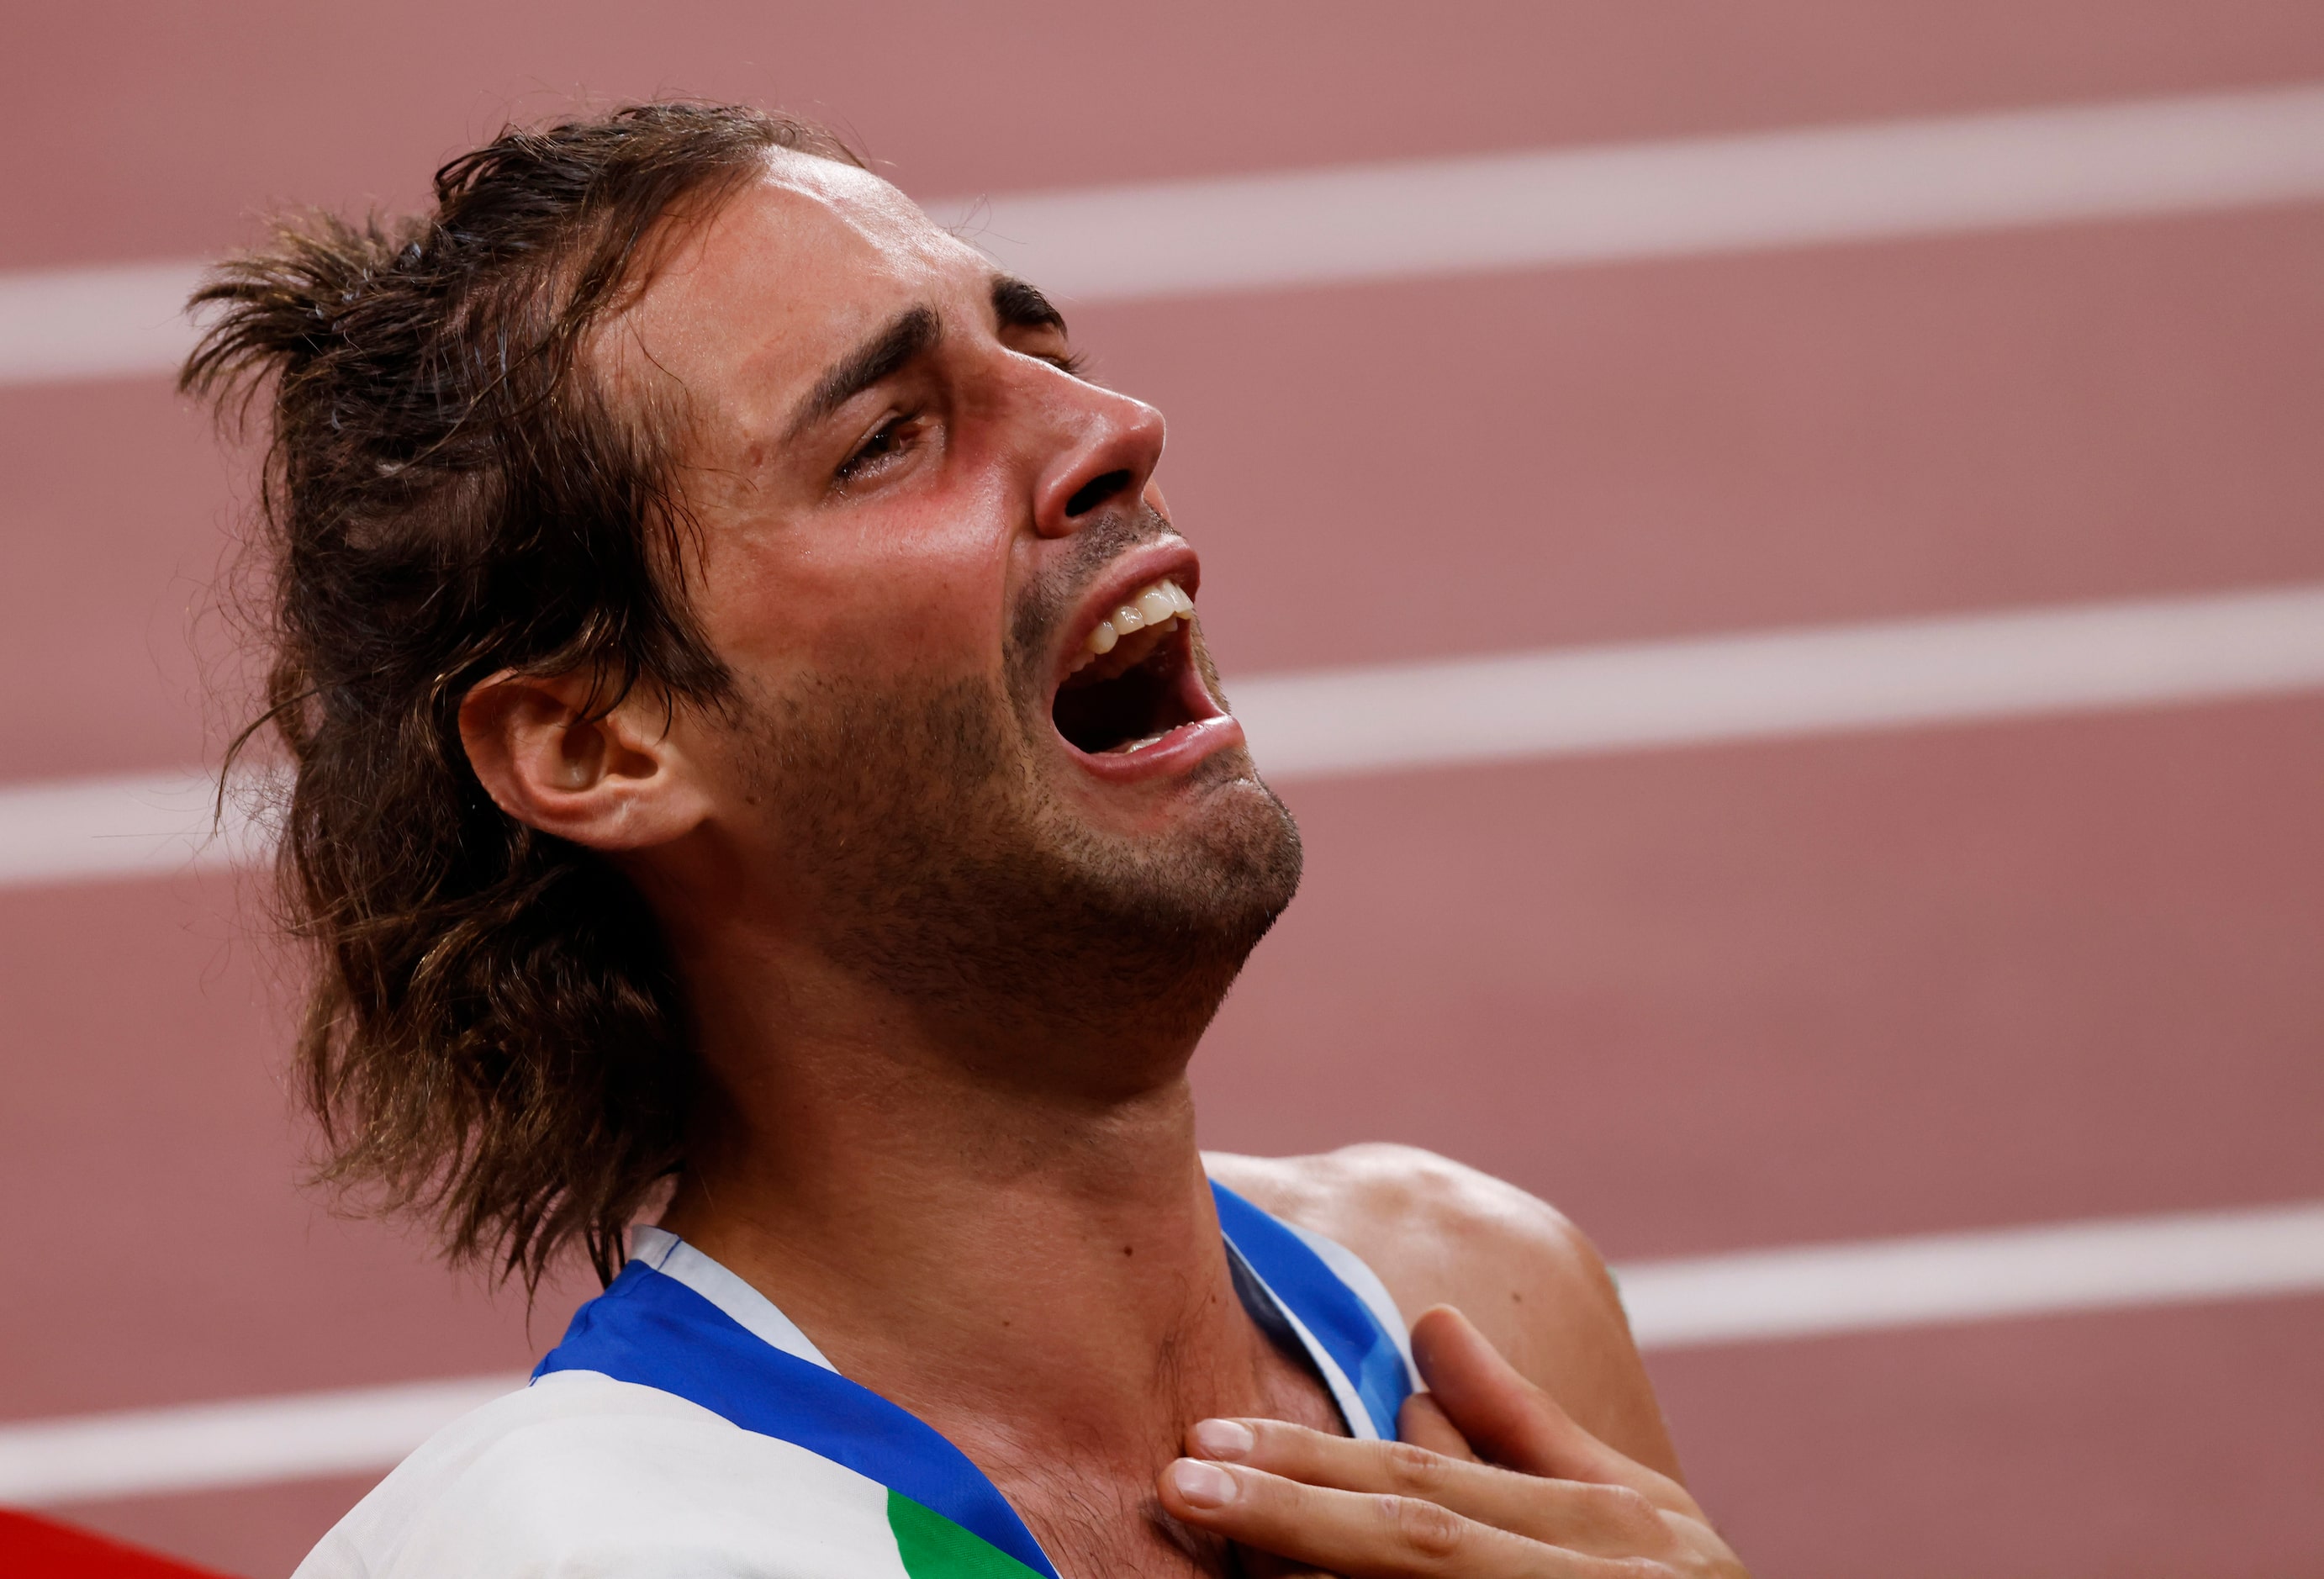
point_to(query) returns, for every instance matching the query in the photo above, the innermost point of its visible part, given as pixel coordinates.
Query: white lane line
(138, 824)
(1816, 680)
(1675, 198)
(1561, 702)
(1534, 209)
(242, 1442)
(2050, 1269)
(115, 321)
(2047, 1268)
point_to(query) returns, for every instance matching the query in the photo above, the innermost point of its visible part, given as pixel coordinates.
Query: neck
(1030, 1263)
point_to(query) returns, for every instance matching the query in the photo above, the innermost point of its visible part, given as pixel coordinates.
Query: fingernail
(1224, 1439)
(1205, 1485)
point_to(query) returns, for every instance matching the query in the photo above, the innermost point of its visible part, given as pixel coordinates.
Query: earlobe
(547, 758)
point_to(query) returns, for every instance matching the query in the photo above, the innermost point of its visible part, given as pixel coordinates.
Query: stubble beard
(939, 865)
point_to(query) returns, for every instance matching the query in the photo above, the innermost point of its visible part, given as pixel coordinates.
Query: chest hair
(1096, 1514)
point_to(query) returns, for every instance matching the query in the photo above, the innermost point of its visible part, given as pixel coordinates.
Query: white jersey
(686, 1430)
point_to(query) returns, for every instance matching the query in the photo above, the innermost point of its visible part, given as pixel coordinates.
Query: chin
(954, 853)
(1212, 884)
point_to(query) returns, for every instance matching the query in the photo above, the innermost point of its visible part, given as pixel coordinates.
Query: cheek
(890, 592)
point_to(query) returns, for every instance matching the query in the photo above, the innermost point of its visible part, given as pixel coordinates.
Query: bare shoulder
(1439, 1232)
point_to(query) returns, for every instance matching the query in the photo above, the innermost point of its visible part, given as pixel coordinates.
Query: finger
(1607, 1520)
(1509, 1420)
(1500, 1413)
(1497, 1411)
(1423, 1421)
(1360, 1537)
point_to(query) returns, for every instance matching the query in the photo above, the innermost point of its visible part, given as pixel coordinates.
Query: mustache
(1095, 547)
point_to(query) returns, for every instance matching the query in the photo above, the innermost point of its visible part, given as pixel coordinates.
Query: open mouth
(1129, 686)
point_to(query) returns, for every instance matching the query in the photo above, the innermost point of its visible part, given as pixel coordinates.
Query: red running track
(1703, 1000)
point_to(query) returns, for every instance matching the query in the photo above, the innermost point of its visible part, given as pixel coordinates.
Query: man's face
(978, 751)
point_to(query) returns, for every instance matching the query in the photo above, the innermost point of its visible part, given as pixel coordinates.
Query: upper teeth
(1152, 607)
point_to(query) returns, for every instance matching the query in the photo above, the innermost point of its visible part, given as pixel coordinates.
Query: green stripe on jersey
(934, 1547)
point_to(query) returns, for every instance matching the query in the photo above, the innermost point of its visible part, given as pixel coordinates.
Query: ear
(621, 781)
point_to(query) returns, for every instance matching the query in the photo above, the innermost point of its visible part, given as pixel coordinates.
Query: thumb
(1423, 1423)
(1504, 1416)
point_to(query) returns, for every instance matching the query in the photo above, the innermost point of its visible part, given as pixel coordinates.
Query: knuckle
(1428, 1530)
(1629, 1510)
(1413, 1470)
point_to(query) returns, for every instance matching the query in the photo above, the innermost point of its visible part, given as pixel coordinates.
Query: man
(756, 761)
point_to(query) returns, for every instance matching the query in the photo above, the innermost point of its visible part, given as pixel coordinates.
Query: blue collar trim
(1343, 1325)
(653, 1330)
(650, 1329)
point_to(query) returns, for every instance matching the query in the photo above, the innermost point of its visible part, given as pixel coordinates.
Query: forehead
(794, 268)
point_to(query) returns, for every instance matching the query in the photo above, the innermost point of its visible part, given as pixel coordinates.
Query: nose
(1107, 448)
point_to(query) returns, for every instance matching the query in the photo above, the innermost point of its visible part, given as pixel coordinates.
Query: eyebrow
(1017, 304)
(912, 333)
(1020, 305)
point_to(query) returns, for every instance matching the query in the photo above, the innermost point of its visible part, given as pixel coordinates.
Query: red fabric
(38, 1548)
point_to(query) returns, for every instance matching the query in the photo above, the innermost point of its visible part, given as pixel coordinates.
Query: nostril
(1096, 492)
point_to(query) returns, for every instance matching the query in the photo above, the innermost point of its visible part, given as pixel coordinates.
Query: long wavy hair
(494, 1036)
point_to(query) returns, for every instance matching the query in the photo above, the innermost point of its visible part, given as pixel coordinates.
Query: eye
(1067, 362)
(888, 444)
